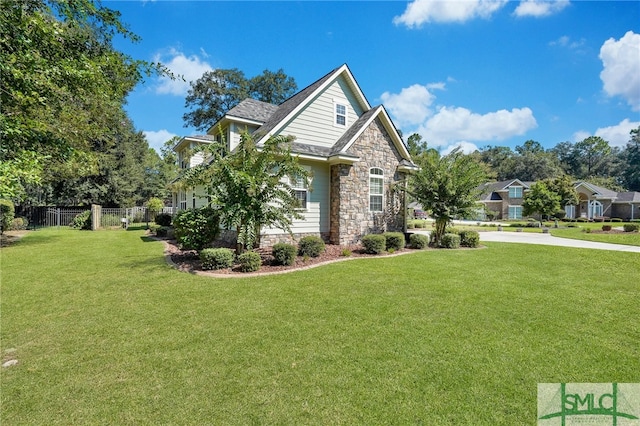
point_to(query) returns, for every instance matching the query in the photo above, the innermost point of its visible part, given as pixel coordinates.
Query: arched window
(376, 189)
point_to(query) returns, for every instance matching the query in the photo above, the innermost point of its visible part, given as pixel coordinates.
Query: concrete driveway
(547, 239)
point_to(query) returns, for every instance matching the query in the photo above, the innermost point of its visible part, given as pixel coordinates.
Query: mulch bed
(188, 261)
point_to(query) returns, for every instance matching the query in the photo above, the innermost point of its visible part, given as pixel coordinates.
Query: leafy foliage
(540, 199)
(311, 246)
(163, 219)
(250, 261)
(394, 240)
(217, 91)
(469, 238)
(249, 186)
(196, 228)
(450, 241)
(284, 254)
(62, 89)
(418, 241)
(374, 243)
(82, 221)
(216, 258)
(7, 212)
(448, 186)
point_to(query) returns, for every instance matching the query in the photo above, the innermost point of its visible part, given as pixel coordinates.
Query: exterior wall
(315, 124)
(350, 215)
(316, 216)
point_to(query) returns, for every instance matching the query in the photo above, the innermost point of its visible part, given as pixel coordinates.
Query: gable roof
(597, 190)
(297, 102)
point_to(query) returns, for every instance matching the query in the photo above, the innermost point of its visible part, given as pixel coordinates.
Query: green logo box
(592, 404)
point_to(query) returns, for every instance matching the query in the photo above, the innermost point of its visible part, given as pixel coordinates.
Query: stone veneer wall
(350, 218)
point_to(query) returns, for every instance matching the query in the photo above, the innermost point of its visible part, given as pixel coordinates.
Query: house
(353, 150)
(505, 199)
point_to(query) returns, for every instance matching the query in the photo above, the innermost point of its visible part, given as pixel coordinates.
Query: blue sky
(462, 72)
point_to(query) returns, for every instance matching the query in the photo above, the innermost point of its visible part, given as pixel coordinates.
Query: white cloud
(410, 106)
(454, 124)
(157, 139)
(465, 147)
(412, 110)
(618, 135)
(539, 8)
(621, 68)
(419, 12)
(565, 41)
(189, 67)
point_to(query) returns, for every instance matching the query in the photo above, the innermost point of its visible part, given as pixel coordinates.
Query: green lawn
(106, 333)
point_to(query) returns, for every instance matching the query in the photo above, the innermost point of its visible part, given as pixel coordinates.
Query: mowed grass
(106, 333)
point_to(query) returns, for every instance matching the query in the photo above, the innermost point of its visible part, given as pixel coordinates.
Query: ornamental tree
(448, 186)
(249, 187)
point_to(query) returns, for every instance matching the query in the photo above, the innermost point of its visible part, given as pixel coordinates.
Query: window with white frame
(300, 191)
(183, 200)
(515, 212)
(515, 192)
(376, 189)
(341, 114)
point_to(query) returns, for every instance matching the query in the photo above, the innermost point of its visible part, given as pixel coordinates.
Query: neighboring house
(352, 149)
(505, 200)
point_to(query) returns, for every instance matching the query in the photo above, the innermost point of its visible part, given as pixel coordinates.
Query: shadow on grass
(29, 239)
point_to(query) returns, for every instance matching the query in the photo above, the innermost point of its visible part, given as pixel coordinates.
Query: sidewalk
(547, 239)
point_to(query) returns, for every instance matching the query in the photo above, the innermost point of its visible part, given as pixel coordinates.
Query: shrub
(196, 228)
(582, 219)
(7, 211)
(284, 254)
(631, 227)
(518, 225)
(606, 227)
(394, 240)
(311, 246)
(250, 261)
(420, 224)
(411, 225)
(450, 241)
(162, 231)
(19, 224)
(615, 219)
(560, 214)
(374, 243)
(216, 258)
(163, 219)
(635, 220)
(469, 239)
(345, 252)
(82, 220)
(418, 241)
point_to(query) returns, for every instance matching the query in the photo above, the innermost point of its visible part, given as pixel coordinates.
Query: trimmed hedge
(394, 241)
(374, 243)
(216, 258)
(284, 254)
(250, 261)
(311, 246)
(418, 241)
(631, 227)
(450, 241)
(469, 239)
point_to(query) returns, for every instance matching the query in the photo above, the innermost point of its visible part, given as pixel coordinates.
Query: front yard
(104, 332)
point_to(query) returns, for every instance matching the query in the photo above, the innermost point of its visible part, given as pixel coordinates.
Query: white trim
(344, 104)
(377, 176)
(516, 207)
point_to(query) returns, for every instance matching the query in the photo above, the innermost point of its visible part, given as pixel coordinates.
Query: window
(300, 191)
(341, 115)
(515, 212)
(183, 200)
(515, 192)
(376, 187)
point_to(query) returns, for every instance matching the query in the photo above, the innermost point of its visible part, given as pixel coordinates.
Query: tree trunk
(438, 231)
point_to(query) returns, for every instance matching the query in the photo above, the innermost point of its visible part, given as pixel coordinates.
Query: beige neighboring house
(353, 150)
(505, 200)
